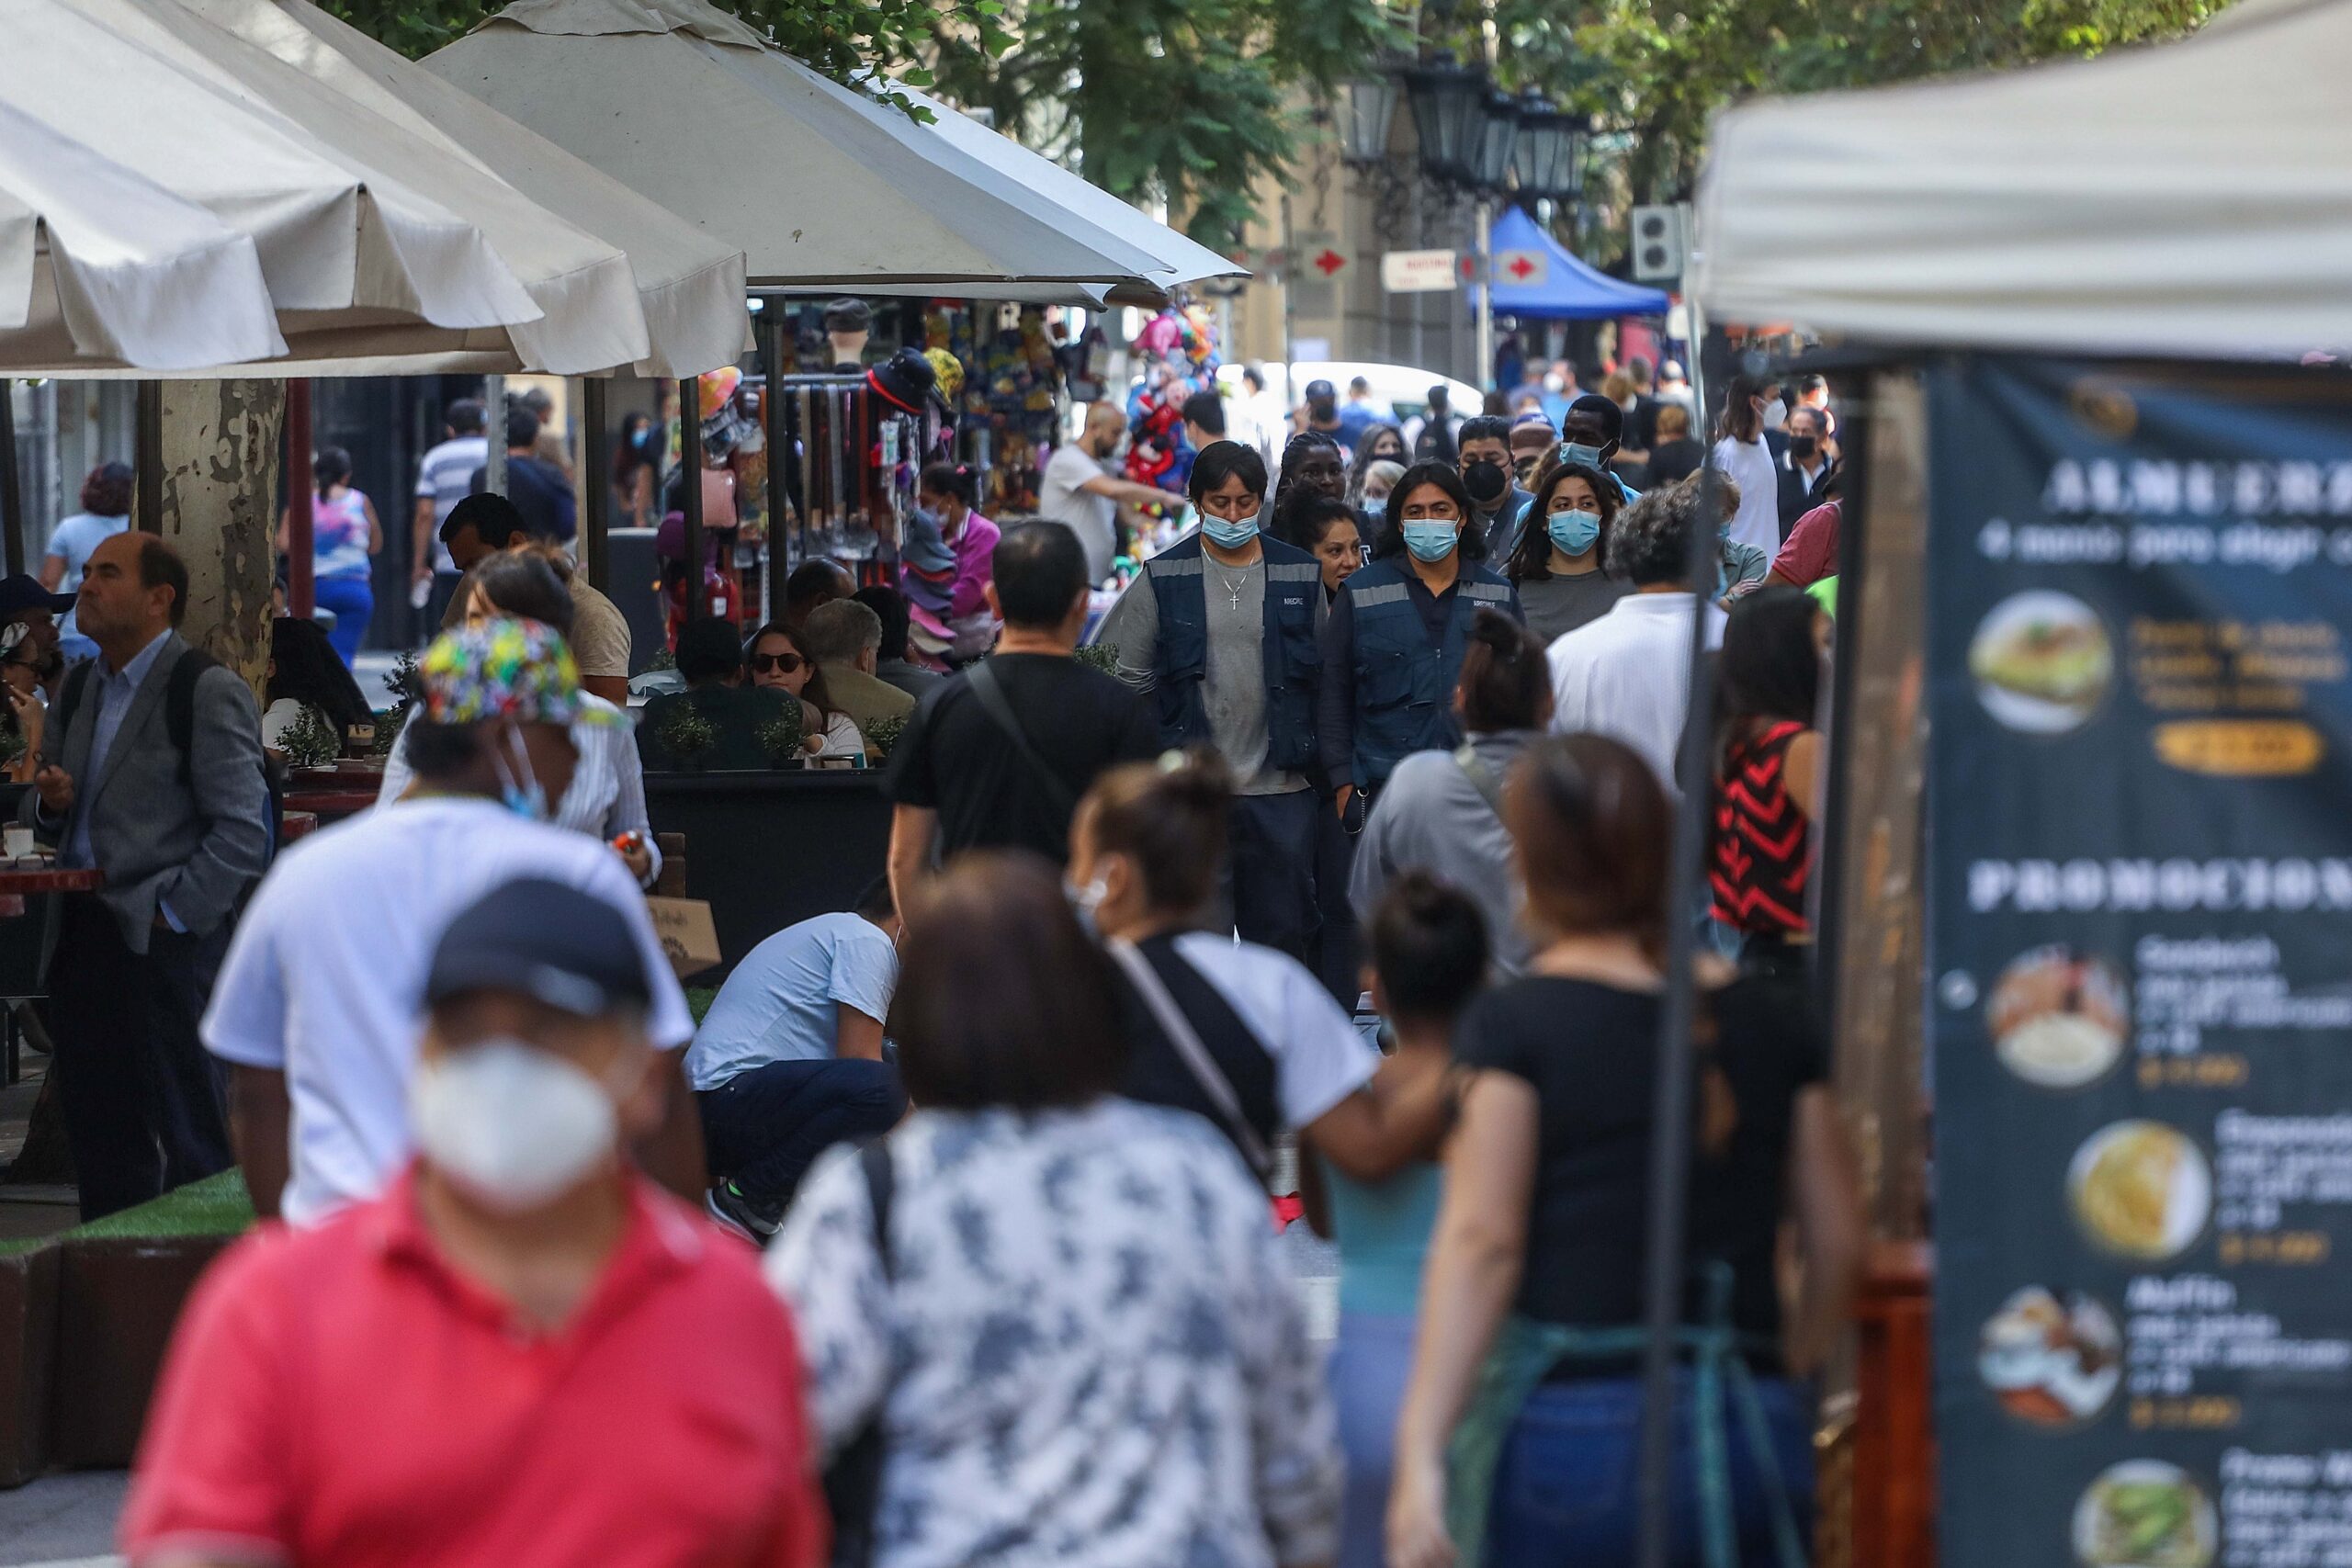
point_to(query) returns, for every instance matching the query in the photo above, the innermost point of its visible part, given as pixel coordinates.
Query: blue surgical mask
(1228, 534)
(1576, 452)
(1432, 539)
(1086, 902)
(1574, 531)
(522, 794)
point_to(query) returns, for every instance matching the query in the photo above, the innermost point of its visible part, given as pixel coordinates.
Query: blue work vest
(1292, 658)
(1404, 687)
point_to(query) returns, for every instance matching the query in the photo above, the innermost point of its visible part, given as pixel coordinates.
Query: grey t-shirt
(1556, 605)
(1234, 690)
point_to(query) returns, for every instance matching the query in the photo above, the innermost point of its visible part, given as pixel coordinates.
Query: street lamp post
(1489, 178)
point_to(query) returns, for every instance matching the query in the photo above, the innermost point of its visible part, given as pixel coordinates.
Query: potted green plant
(781, 737)
(688, 738)
(406, 683)
(310, 741)
(881, 735)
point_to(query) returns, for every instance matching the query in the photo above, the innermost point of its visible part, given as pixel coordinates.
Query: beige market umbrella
(368, 237)
(689, 285)
(824, 186)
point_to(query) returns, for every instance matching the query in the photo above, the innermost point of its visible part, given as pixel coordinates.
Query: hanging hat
(848, 315)
(905, 380)
(503, 667)
(947, 368)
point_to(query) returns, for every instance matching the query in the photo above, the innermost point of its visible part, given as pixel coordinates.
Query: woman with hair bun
(1442, 810)
(1241, 1033)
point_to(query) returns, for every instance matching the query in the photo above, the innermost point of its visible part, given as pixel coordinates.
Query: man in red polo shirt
(521, 1355)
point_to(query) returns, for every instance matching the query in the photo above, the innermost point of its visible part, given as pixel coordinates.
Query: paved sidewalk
(62, 1522)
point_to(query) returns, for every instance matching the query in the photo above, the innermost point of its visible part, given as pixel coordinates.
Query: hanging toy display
(1178, 348)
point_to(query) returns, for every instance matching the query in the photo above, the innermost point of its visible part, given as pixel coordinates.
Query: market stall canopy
(689, 286)
(2188, 198)
(824, 186)
(123, 227)
(1536, 277)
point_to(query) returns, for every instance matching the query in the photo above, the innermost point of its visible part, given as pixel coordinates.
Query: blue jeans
(1567, 1493)
(353, 602)
(765, 1127)
(1368, 1370)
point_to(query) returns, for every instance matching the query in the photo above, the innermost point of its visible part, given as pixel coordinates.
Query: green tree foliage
(1188, 101)
(1658, 70)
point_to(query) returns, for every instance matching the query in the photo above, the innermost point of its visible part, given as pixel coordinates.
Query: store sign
(1417, 272)
(2140, 964)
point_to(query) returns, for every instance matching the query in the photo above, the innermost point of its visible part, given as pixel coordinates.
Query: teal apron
(1524, 1354)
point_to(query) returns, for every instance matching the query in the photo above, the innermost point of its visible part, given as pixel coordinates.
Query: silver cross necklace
(1234, 588)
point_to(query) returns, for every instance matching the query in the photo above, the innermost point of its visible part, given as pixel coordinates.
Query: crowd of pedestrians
(1353, 847)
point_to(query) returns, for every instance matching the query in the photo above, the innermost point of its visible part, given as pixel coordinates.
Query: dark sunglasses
(784, 663)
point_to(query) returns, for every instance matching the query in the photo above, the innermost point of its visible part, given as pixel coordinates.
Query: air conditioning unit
(1661, 243)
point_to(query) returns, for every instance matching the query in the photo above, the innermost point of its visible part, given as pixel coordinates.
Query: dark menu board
(2140, 964)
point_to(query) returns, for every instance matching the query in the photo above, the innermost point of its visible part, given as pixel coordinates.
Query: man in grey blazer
(179, 834)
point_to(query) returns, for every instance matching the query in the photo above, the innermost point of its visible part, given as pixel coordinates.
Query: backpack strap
(1194, 1052)
(989, 693)
(179, 707)
(69, 701)
(1482, 777)
(852, 1483)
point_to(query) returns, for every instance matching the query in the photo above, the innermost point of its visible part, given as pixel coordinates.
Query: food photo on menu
(2052, 1361)
(2058, 1019)
(2145, 1514)
(2140, 1191)
(2042, 661)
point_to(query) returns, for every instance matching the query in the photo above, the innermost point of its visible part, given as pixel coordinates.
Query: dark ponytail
(951, 478)
(1505, 682)
(1169, 817)
(331, 467)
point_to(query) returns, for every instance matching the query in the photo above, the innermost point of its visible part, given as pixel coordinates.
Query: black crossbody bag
(853, 1481)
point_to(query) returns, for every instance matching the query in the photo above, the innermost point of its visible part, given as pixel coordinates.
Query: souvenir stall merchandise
(1178, 350)
(1010, 395)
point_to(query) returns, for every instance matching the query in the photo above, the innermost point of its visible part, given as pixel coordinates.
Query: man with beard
(1079, 493)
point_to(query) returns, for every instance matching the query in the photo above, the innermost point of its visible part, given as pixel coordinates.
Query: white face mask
(1776, 413)
(514, 1128)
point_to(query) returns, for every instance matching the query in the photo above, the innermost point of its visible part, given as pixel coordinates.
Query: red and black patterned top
(1762, 856)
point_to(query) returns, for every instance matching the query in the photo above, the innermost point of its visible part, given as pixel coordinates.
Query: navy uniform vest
(1404, 687)
(1292, 661)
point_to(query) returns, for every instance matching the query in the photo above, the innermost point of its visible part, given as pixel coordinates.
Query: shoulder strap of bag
(1195, 1054)
(1482, 778)
(991, 694)
(881, 1188)
(69, 701)
(179, 706)
(852, 1483)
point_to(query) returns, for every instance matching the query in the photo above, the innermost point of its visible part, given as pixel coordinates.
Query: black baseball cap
(19, 592)
(1321, 392)
(552, 943)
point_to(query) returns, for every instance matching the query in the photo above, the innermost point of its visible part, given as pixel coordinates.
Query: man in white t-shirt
(1627, 675)
(445, 478)
(318, 1006)
(1079, 493)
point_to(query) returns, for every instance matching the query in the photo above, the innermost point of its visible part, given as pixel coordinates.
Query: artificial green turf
(216, 1205)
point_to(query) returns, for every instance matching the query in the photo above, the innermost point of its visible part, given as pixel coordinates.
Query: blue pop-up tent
(1538, 277)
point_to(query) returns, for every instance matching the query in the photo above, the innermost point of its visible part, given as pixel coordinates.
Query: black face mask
(1803, 447)
(1485, 481)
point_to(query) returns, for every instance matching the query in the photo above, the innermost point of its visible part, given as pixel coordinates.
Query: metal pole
(690, 491)
(779, 555)
(1853, 493)
(147, 458)
(494, 403)
(301, 520)
(12, 497)
(1663, 1276)
(1289, 309)
(596, 483)
(1486, 296)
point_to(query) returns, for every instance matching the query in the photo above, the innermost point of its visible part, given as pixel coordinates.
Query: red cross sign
(1329, 262)
(1525, 268)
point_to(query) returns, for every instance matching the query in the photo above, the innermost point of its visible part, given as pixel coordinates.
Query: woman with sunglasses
(20, 678)
(779, 661)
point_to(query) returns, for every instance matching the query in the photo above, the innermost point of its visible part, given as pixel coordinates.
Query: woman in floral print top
(1087, 1349)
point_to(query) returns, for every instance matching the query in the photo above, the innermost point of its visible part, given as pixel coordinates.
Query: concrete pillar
(219, 460)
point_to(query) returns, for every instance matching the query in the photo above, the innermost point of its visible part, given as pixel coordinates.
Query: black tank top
(1156, 1072)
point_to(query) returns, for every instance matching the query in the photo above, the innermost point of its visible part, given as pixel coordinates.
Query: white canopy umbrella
(689, 285)
(368, 236)
(824, 186)
(2187, 198)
